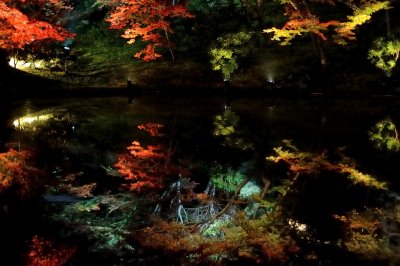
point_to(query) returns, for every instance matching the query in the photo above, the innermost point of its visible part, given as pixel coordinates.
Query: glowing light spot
(26, 121)
(24, 65)
(297, 226)
(270, 77)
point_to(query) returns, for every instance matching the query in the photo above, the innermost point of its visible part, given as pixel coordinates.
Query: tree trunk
(316, 39)
(169, 45)
(387, 20)
(3, 59)
(318, 45)
(256, 11)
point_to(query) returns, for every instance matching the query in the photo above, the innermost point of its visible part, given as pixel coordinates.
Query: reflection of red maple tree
(144, 167)
(148, 166)
(151, 128)
(43, 252)
(146, 19)
(25, 22)
(15, 171)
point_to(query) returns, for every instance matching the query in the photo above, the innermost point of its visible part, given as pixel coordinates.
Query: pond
(111, 173)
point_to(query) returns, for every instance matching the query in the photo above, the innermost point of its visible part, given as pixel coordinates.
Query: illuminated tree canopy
(148, 20)
(25, 23)
(384, 54)
(361, 14)
(301, 20)
(228, 50)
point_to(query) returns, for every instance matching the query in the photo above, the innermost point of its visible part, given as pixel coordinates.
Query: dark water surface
(312, 122)
(85, 133)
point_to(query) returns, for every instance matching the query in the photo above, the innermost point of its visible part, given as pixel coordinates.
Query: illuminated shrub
(254, 241)
(384, 54)
(228, 50)
(369, 233)
(384, 136)
(226, 179)
(16, 172)
(43, 252)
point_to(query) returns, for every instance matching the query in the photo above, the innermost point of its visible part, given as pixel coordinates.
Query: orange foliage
(360, 221)
(203, 197)
(147, 167)
(43, 253)
(257, 245)
(14, 170)
(308, 163)
(151, 128)
(145, 19)
(151, 153)
(148, 53)
(303, 19)
(144, 167)
(26, 22)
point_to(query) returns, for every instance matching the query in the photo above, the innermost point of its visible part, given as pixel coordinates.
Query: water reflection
(314, 123)
(92, 147)
(26, 121)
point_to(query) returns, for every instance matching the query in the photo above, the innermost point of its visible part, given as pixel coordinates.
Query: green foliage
(384, 136)
(215, 229)
(208, 6)
(212, 18)
(98, 48)
(228, 50)
(226, 179)
(384, 54)
(269, 202)
(104, 219)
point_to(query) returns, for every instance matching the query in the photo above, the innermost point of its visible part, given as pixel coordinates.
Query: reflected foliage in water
(190, 181)
(227, 126)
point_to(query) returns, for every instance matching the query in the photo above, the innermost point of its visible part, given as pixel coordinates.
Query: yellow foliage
(360, 178)
(302, 21)
(360, 16)
(366, 244)
(366, 234)
(309, 163)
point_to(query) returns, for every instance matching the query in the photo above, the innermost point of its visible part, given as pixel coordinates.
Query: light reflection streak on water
(25, 121)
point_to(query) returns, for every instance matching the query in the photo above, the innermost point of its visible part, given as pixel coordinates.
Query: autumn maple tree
(26, 24)
(148, 20)
(302, 20)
